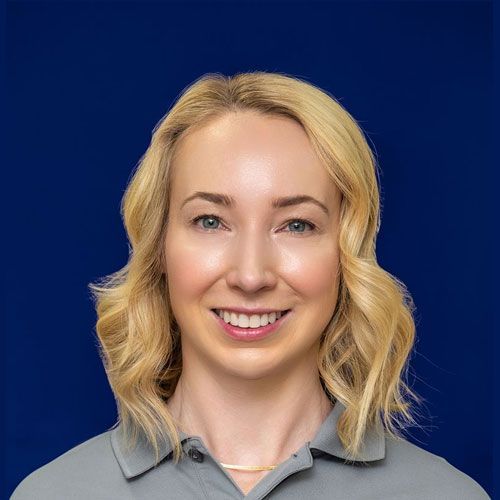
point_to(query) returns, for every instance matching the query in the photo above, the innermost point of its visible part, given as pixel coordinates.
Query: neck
(250, 422)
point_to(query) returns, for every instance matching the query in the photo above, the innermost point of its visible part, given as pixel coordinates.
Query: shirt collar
(142, 457)
(327, 439)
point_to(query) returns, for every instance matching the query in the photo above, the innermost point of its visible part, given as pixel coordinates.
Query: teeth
(244, 321)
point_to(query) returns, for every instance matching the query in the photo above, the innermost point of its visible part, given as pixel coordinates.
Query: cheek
(313, 271)
(191, 267)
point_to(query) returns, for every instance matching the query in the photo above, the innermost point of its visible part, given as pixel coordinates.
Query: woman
(254, 345)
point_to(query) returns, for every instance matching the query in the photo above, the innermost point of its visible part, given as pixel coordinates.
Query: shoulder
(429, 475)
(87, 469)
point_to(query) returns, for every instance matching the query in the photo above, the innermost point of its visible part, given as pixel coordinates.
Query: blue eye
(212, 222)
(208, 217)
(298, 223)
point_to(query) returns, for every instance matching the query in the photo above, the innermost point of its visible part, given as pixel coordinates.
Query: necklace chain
(249, 467)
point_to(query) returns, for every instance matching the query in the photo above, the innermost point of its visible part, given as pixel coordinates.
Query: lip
(251, 334)
(249, 311)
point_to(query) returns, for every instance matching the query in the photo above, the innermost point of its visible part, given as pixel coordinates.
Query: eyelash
(213, 216)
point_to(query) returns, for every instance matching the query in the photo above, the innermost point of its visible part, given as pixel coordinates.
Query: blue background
(87, 82)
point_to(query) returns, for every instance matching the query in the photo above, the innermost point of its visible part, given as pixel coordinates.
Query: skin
(252, 403)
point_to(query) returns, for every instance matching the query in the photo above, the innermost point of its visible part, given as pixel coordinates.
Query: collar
(142, 457)
(327, 439)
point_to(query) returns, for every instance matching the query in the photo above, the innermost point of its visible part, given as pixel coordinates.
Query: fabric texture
(388, 469)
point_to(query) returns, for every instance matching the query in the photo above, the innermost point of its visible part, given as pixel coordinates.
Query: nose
(252, 265)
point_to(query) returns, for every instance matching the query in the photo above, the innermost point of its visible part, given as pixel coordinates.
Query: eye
(299, 224)
(212, 221)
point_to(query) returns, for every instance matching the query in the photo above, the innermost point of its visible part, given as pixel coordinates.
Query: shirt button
(195, 454)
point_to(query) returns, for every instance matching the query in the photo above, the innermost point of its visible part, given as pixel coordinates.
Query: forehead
(249, 152)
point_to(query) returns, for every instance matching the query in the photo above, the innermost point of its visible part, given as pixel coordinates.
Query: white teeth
(234, 319)
(244, 321)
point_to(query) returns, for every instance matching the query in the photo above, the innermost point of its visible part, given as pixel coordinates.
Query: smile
(249, 321)
(241, 326)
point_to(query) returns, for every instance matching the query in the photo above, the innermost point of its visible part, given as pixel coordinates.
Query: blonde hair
(365, 348)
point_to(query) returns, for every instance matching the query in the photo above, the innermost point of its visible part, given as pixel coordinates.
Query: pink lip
(248, 310)
(250, 334)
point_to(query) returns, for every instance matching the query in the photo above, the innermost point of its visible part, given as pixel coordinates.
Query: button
(195, 454)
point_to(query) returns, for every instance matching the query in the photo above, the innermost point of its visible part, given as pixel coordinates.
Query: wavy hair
(365, 348)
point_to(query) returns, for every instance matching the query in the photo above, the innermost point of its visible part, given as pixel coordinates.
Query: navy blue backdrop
(87, 83)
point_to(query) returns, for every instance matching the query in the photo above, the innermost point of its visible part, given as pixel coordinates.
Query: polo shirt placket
(213, 476)
(215, 483)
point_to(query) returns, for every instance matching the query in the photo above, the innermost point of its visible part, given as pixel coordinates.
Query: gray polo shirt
(389, 469)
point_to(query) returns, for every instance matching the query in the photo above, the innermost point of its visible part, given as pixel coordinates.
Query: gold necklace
(249, 467)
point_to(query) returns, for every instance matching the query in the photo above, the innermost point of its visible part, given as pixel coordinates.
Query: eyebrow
(284, 201)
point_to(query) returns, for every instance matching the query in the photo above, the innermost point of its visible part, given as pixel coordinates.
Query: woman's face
(251, 254)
